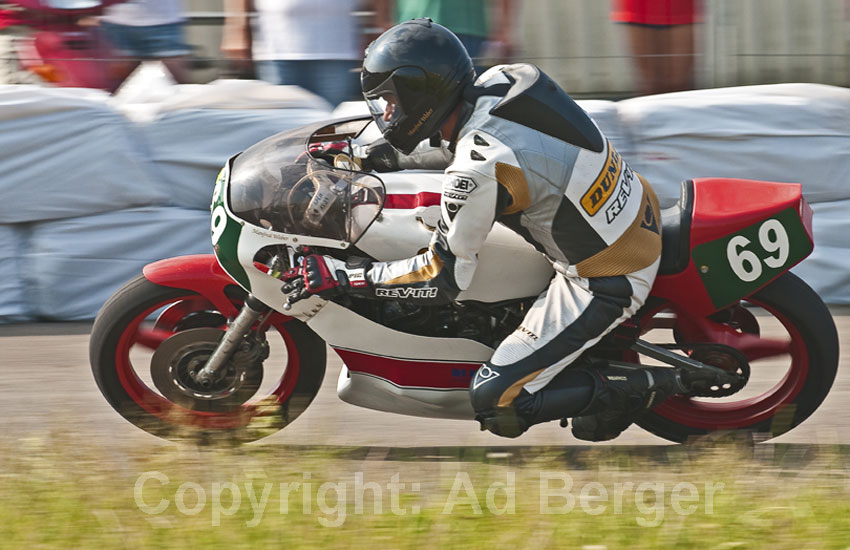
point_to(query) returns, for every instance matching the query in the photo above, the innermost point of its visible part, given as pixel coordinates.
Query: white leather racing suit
(594, 218)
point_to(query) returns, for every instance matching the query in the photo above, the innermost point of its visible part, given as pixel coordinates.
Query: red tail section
(743, 234)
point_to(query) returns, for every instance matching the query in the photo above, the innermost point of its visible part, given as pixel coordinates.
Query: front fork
(251, 312)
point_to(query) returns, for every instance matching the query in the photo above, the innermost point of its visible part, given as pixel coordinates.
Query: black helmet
(420, 67)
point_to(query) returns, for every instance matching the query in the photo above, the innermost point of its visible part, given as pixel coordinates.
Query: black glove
(380, 157)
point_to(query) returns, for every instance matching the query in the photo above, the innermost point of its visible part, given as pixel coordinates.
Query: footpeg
(711, 370)
(734, 376)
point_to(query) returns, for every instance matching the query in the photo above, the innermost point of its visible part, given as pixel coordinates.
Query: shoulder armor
(537, 102)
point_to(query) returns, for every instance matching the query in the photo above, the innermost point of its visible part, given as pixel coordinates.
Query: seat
(676, 232)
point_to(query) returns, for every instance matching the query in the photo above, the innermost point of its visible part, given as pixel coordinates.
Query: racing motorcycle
(214, 343)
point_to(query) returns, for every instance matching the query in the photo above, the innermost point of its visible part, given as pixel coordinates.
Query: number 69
(746, 264)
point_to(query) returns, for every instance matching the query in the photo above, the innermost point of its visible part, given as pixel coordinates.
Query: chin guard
(537, 102)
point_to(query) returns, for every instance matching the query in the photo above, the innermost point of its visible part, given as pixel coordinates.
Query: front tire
(809, 349)
(125, 331)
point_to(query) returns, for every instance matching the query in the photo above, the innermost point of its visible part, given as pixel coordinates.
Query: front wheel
(783, 336)
(143, 322)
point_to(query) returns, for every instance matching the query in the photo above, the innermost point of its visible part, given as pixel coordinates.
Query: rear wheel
(146, 340)
(787, 341)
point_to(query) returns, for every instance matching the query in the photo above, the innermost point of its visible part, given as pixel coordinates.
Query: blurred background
(737, 42)
(587, 46)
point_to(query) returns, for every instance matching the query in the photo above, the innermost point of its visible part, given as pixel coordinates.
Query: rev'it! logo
(404, 293)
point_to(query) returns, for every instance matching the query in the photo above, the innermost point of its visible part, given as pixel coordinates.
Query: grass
(56, 492)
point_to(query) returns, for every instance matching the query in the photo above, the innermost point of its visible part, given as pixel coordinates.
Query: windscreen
(281, 186)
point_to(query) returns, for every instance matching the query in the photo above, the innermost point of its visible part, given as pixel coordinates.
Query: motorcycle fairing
(335, 324)
(258, 204)
(743, 234)
(537, 102)
(378, 393)
(397, 372)
(199, 272)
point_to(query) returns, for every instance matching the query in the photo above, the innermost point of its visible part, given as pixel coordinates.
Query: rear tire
(123, 323)
(813, 349)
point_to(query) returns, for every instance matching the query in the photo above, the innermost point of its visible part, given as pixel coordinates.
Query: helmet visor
(385, 108)
(397, 96)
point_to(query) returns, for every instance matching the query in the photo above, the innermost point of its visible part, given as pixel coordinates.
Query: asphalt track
(46, 387)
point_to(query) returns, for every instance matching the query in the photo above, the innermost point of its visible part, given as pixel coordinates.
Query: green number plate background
(723, 285)
(228, 242)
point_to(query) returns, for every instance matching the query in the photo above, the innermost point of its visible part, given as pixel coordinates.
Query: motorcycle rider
(521, 152)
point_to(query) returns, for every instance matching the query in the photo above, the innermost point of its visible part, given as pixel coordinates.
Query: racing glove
(380, 156)
(326, 277)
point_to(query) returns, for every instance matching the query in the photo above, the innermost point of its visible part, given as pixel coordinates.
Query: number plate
(738, 264)
(225, 234)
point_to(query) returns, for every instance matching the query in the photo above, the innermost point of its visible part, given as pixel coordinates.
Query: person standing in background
(148, 29)
(12, 32)
(481, 35)
(661, 37)
(308, 43)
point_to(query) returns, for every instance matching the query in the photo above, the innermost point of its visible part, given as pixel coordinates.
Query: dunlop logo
(605, 183)
(425, 116)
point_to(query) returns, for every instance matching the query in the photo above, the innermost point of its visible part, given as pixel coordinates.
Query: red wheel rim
(736, 414)
(155, 404)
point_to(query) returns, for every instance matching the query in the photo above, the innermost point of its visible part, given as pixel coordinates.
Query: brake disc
(177, 360)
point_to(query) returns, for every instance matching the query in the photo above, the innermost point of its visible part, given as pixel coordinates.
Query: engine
(486, 323)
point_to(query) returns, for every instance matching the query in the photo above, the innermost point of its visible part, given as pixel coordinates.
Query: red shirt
(655, 12)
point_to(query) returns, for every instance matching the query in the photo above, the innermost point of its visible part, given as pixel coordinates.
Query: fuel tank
(508, 266)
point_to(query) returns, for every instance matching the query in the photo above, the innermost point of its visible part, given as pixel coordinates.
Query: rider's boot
(621, 396)
(568, 393)
(607, 400)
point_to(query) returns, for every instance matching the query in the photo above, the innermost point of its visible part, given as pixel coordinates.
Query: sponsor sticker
(619, 203)
(527, 332)
(459, 188)
(406, 292)
(357, 278)
(605, 183)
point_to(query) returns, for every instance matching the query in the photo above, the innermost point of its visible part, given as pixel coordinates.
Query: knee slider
(487, 387)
